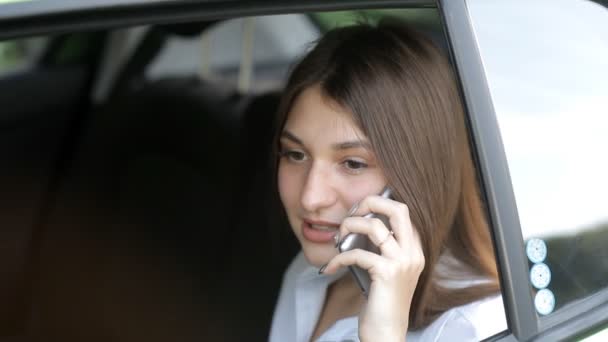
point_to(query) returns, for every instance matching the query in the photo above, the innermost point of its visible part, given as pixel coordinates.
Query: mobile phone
(361, 241)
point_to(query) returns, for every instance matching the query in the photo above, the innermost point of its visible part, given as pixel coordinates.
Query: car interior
(146, 211)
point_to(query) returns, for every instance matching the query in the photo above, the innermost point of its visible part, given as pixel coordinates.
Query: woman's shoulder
(470, 322)
(487, 316)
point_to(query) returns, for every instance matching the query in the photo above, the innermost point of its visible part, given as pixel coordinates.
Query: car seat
(164, 225)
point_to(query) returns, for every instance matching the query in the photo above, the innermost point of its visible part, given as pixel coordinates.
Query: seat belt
(132, 73)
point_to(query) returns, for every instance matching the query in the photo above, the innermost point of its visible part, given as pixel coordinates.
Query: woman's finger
(377, 232)
(364, 259)
(397, 213)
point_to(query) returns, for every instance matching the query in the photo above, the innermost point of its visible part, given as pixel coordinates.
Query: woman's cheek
(358, 189)
(288, 185)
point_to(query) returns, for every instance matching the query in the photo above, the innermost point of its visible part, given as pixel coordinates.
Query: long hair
(403, 96)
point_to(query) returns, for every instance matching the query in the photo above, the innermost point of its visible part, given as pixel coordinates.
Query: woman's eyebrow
(351, 144)
(336, 146)
(290, 136)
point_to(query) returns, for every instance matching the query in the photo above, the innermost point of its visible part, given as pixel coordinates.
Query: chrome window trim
(45, 17)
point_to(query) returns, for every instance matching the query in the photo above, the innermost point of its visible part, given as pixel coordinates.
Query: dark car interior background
(137, 179)
(146, 212)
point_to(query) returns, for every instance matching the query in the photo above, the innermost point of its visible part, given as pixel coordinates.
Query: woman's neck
(346, 295)
(343, 299)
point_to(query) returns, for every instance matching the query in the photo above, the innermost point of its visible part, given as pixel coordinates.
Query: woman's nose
(318, 191)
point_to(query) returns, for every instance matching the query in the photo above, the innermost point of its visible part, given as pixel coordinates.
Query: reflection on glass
(17, 55)
(547, 67)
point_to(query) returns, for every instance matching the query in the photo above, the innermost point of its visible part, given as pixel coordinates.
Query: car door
(536, 84)
(513, 186)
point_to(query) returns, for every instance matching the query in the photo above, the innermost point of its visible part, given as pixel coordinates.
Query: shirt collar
(311, 288)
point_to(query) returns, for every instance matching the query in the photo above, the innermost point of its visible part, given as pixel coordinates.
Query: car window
(602, 335)
(166, 181)
(21, 54)
(548, 78)
(271, 44)
(415, 16)
(251, 53)
(424, 19)
(9, 1)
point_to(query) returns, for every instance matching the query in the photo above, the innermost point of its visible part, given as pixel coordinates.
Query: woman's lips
(318, 231)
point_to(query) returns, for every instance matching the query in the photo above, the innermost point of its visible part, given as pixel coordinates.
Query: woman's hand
(394, 273)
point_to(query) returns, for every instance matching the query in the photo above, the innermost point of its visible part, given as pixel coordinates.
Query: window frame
(575, 318)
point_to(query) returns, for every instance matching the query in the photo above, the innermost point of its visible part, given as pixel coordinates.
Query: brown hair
(403, 96)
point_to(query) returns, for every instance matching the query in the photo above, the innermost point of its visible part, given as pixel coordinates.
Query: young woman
(366, 108)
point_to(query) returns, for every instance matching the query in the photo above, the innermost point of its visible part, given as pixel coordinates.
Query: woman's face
(326, 167)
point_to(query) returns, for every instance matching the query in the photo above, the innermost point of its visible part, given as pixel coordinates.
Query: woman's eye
(295, 156)
(354, 165)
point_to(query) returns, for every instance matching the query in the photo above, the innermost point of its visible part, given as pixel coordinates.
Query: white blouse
(303, 295)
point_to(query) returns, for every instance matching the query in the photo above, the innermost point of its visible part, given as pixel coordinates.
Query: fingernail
(322, 269)
(337, 239)
(353, 209)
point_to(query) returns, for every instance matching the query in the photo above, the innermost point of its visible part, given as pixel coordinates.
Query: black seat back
(133, 248)
(166, 224)
(35, 118)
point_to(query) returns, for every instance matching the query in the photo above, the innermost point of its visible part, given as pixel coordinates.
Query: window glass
(426, 20)
(415, 16)
(17, 55)
(9, 1)
(255, 53)
(251, 52)
(598, 336)
(277, 42)
(547, 68)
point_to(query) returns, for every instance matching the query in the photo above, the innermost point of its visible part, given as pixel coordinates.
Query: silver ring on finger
(388, 236)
